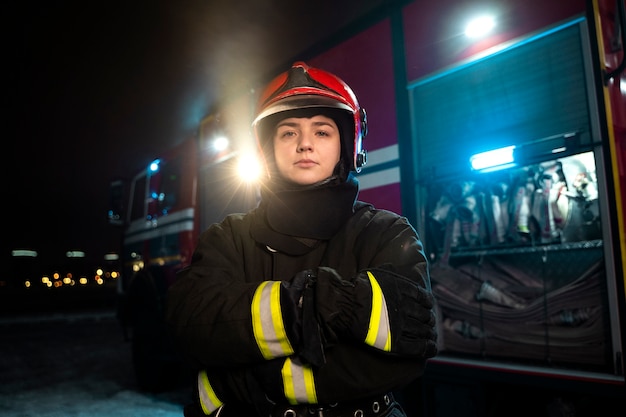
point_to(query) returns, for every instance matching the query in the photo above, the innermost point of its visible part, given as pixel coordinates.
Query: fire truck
(507, 153)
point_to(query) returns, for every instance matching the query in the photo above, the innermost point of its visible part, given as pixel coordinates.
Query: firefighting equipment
(551, 202)
(520, 209)
(359, 309)
(549, 183)
(499, 200)
(304, 87)
(488, 292)
(582, 220)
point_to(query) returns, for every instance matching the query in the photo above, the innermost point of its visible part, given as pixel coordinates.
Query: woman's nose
(305, 144)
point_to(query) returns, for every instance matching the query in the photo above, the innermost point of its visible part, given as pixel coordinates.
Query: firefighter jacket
(234, 314)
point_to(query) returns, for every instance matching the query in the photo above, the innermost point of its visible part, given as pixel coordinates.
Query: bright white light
(248, 168)
(220, 143)
(499, 158)
(154, 165)
(480, 26)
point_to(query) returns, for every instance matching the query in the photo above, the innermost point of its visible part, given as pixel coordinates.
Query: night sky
(96, 91)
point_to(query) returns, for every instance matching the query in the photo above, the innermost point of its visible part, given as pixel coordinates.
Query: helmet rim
(295, 102)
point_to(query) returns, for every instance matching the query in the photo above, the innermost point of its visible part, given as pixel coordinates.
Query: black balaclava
(298, 217)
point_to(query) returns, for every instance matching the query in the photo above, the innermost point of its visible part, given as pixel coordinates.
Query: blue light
(493, 160)
(154, 166)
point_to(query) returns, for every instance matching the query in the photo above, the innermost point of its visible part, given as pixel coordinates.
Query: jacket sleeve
(388, 251)
(351, 372)
(217, 318)
(390, 302)
(231, 388)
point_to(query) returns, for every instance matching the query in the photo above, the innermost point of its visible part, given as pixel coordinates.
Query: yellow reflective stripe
(208, 398)
(298, 382)
(267, 321)
(378, 333)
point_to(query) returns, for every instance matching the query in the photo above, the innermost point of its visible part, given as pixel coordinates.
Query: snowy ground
(73, 364)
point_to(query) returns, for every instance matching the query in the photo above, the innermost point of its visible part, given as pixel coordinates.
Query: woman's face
(306, 150)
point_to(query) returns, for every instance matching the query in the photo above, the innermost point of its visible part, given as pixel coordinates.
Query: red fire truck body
(527, 257)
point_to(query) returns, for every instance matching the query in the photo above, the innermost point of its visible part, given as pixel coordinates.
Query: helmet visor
(300, 102)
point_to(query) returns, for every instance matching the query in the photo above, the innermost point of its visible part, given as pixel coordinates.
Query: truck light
(220, 143)
(493, 160)
(480, 26)
(248, 168)
(154, 166)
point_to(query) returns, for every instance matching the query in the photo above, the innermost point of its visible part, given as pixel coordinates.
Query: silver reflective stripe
(208, 398)
(299, 382)
(379, 333)
(267, 321)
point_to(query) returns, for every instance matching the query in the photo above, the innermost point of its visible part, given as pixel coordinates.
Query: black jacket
(212, 312)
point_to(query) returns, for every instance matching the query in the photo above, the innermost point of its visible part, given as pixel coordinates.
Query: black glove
(344, 309)
(299, 295)
(410, 309)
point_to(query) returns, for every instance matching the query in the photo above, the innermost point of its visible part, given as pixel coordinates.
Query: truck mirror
(115, 213)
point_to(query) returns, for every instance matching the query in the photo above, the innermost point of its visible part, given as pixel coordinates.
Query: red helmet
(303, 87)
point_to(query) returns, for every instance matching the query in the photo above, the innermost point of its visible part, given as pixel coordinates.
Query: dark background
(97, 90)
(75, 365)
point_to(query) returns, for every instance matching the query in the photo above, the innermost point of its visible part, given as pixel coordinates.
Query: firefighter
(313, 302)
